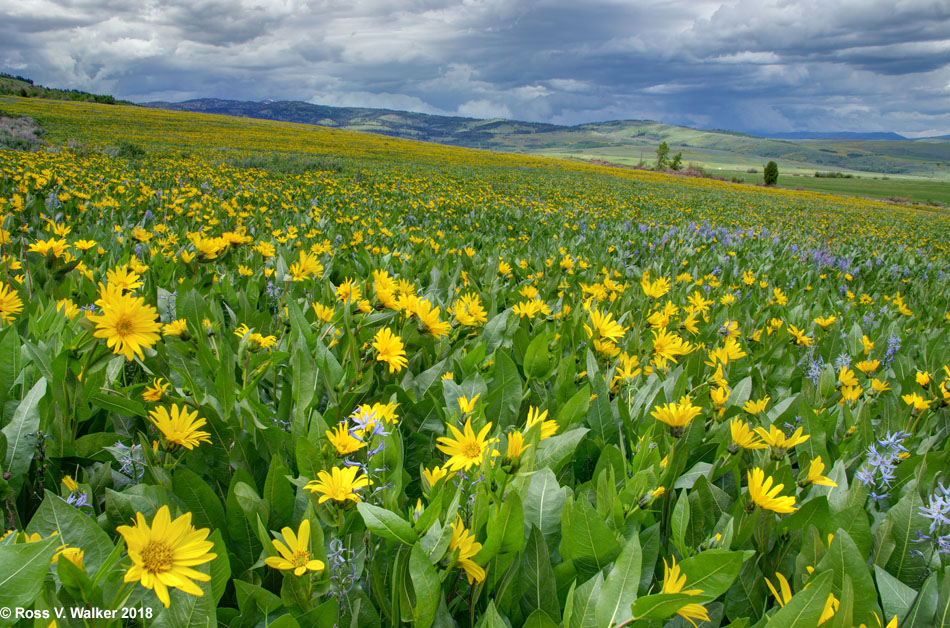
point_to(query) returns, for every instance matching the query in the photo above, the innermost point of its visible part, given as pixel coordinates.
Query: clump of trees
(663, 158)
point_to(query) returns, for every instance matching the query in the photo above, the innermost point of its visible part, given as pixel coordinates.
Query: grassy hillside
(623, 141)
(13, 85)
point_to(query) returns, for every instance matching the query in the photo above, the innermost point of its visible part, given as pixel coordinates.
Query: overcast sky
(746, 65)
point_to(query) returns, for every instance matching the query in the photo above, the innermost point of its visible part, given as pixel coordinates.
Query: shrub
(130, 150)
(662, 154)
(770, 173)
(677, 162)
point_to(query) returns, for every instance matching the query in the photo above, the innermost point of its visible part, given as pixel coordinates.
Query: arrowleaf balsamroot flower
(467, 405)
(126, 322)
(800, 337)
(604, 326)
(10, 303)
(390, 350)
(464, 541)
(295, 554)
(676, 415)
(778, 441)
(667, 346)
(516, 446)
(466, 449)
(655, 289)
(179, 426)
(164, 553)
(339, 485)
(766, 496)
(815, 469)
(743, 436)
(156, 390)
(783, 595)
(673, 582)
(342, 441)
(548, 428)
(755, 406)
(435, 474)
(917, 402)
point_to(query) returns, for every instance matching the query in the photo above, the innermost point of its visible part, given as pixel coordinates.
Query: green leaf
(942, 616)
(713, 571)
(660, 605)
(896, 597)
(73, 528)
(504, 401)
(576, 407)
(906, 520)
(588, 541)
(805, 608)
(495, 332)
(200, 499)
(25, 422)
(537, 577)
(679, 523)
(556, 451)
(187, 610)
(23, 567)
(491, 618)
(740, 394)
(11, 362)
(620, 589)
(586, 599)
(505, 530)
(426, 585)
(143, 498)
(387, 524)
(117, 404)
(243, 543)
(251, 503)
(539, 619)
(220, 567)
(249, 594)
(537, 358)
(278, 494)
(284, 621)
(923, 611)
(600, 418)
(543, 503)
(843, 558)
(306, 378)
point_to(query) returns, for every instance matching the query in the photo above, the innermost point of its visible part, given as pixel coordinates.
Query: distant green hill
(14, 85)
(625, 142)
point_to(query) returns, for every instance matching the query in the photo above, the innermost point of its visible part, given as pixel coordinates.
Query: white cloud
(483, 109)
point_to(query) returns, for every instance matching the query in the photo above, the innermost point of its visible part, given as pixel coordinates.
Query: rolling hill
(625, 142)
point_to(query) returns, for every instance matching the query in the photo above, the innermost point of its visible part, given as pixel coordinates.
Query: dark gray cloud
(749, 65)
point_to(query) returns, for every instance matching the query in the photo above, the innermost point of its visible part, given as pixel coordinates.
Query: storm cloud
(755, 66)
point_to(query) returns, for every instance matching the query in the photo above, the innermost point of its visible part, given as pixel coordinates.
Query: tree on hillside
(770, 174)
(662, 153)
(677, 162)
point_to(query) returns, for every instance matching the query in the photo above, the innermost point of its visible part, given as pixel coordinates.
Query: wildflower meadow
(367, 382)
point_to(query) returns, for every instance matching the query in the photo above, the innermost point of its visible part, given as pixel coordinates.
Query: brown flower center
(301, 558)
(123, 326)
(157, 557)
(472, 450)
